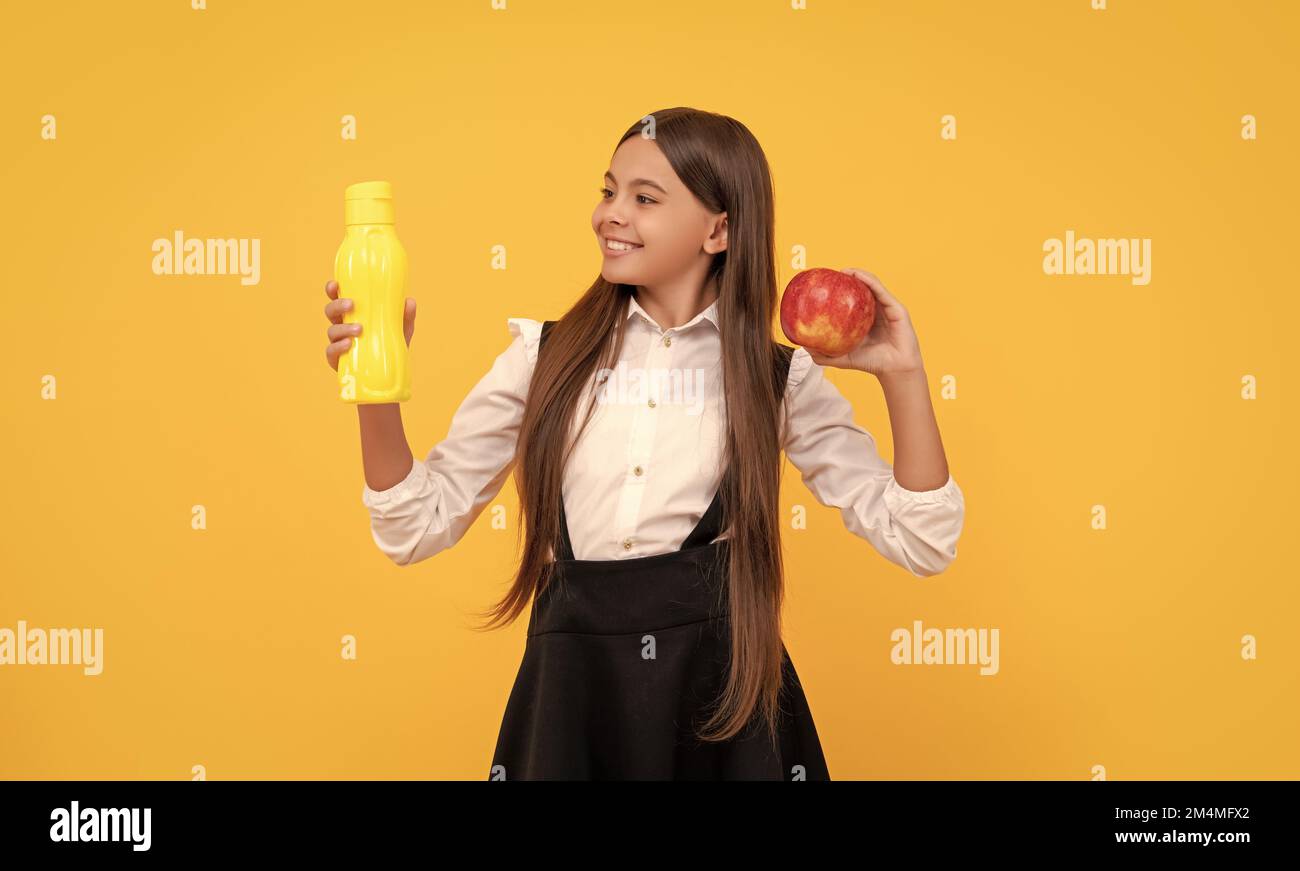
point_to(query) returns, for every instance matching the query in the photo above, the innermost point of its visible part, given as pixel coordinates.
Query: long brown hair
(722, 164)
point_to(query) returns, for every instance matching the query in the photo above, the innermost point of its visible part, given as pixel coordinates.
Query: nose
(611, 215)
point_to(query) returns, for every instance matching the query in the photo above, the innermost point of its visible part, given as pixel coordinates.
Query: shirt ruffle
(531, 331)
(800, 362)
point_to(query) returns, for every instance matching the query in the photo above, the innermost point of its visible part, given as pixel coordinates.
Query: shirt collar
(710, 314)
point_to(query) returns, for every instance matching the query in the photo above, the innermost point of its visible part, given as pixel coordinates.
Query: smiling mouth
(612, 245)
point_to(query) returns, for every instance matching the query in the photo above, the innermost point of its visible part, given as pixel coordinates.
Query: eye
(639, 197)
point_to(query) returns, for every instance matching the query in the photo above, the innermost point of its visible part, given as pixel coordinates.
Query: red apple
(827, 311)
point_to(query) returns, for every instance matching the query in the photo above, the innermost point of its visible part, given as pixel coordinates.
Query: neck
(673, 306)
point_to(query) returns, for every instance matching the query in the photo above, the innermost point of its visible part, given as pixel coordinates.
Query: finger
(878, 286)
(335, 350)
(336, 309)
(822, 359)
(332, 289)
(888, 302)
(341, 331)
(867, 278)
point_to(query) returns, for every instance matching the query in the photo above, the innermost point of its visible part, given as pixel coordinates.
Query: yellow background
(1119, 647)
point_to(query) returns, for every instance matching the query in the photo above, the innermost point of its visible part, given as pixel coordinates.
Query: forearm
(385, 455)
(919, 461)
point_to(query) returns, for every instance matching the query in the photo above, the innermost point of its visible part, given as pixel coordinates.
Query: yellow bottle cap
(368, 202)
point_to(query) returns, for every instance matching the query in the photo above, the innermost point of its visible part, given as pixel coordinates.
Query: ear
(717, 240)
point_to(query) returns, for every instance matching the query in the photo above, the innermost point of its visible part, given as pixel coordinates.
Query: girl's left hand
(890, 347)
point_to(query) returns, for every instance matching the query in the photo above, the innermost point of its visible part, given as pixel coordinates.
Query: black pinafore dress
(623, 660)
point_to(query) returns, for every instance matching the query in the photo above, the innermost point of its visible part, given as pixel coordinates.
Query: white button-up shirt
(649, 462)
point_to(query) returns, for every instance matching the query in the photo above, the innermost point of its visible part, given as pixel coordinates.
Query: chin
(615, 275)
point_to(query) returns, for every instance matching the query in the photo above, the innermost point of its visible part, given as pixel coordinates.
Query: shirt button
(627, 544)
(636, 471)
(651, 403)
(668, 340)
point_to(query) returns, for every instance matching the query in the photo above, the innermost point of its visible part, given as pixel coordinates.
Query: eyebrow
(636, 181)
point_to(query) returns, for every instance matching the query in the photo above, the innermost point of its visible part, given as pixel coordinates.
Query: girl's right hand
(340, 334)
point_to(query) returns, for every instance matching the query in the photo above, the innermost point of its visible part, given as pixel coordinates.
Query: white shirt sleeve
(840, 464)
(440, 498)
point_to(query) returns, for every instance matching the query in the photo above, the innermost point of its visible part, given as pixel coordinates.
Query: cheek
(671, 236)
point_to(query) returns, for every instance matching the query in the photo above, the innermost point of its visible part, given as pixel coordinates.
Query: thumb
(408, 319)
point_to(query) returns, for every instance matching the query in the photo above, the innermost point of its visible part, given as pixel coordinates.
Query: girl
(645, 428)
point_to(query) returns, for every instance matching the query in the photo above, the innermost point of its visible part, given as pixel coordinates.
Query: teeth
(619, 246)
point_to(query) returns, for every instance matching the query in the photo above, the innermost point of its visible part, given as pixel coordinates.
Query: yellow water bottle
(370, 269)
